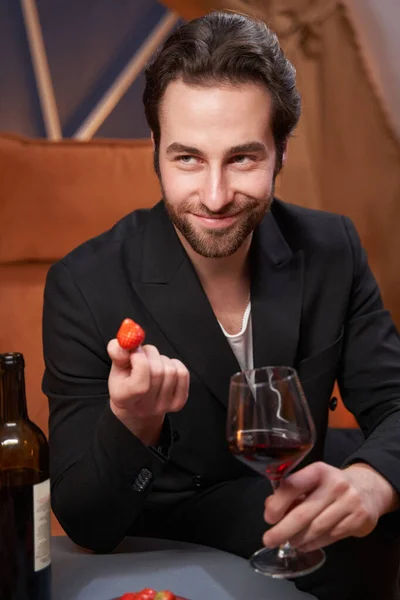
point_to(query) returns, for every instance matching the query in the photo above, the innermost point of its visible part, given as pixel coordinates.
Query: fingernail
(267, 542)
(270, 519)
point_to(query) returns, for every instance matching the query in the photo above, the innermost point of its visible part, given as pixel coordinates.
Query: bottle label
(41, 524)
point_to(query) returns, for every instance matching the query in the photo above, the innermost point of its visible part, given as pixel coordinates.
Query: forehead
(215, 112)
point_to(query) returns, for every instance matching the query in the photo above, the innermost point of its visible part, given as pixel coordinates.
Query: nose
(216, 194)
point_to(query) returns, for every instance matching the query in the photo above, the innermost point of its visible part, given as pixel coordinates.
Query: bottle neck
(12, 396)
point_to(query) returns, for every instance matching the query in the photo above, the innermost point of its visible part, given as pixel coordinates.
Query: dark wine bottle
(25, 564)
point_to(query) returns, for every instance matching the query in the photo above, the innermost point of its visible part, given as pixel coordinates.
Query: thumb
(120, 357)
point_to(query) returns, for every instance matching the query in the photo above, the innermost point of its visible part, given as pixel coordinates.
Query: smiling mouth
(216, 217)
(217, 221)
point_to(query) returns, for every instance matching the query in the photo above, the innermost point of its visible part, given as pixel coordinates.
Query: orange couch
(54, 196)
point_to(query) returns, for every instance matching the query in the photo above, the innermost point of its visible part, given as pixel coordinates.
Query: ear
(152, 140)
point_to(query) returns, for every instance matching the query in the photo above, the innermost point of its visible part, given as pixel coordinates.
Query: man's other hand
(321, 504)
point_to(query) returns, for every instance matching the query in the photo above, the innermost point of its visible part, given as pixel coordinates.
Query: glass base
(286, 563)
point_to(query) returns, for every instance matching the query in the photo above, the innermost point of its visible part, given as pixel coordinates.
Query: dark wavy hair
(225, 47)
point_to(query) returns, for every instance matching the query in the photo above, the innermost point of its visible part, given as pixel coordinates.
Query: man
(222, 278)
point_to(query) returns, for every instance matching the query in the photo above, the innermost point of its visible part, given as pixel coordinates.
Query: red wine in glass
(270, 429)
(271, 453)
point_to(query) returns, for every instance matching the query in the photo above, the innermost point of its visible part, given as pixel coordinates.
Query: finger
(354, 524)
(138, 382)
(291, 490)
(181, 391)
(126, 386)
(167, 387)
(342, 530)
(323, 525)
(156, 368)
(120, 358)
(358, 524)
(300, 518)
(322, 542)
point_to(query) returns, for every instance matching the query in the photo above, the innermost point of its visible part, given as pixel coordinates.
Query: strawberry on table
(146, 594)
(129, 596)
(130, 335)
(165, 595)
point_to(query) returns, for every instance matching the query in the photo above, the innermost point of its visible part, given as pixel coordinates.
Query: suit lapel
(172, 293)
(276, 293)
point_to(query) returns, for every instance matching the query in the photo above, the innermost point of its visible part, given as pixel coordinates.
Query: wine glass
(270, 429)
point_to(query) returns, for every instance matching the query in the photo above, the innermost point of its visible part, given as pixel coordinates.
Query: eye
(243, 159)
(187, 159)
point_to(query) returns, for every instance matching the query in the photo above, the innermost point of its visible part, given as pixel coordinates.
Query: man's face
(217, 159)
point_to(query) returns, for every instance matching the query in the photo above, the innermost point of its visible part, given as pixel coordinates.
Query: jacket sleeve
(100, 472)
(369, 377)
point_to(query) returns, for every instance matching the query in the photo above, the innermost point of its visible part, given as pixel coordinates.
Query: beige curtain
(377, 24)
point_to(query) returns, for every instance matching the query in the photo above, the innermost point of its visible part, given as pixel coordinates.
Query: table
(195, 572)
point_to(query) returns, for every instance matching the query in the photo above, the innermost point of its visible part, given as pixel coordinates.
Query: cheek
(180, 185)
(257, 184)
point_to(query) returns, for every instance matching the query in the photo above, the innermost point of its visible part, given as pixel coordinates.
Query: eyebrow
(176, 147)
(247, 147)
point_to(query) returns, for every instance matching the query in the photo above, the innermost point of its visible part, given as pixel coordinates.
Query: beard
(223, 242)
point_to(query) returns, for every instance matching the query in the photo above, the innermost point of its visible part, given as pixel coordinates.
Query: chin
(211, 249)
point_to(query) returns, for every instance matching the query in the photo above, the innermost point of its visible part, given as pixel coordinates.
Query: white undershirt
(242, 342)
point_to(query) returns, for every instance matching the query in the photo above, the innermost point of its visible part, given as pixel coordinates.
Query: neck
(220, 271)
(12, 396)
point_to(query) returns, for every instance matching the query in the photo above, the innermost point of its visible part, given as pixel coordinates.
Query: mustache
(226, 211)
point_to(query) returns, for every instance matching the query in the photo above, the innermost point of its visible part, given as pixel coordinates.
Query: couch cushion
(21, 301)
(55, 195)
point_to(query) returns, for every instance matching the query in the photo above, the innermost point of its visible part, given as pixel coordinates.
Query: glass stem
(285, 550)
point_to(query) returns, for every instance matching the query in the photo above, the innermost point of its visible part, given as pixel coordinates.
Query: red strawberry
(130, 335)
(165, 595)
(129, 596)
(146, 594)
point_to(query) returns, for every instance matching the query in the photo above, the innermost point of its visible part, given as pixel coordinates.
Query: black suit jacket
(315, 306)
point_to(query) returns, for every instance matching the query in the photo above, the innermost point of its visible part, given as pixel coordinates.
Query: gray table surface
(195, 572)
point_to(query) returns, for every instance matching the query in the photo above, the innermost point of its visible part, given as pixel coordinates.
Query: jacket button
(197, 481)
(142, 480)
(333, 403)
(146, 475)
(175, 436)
